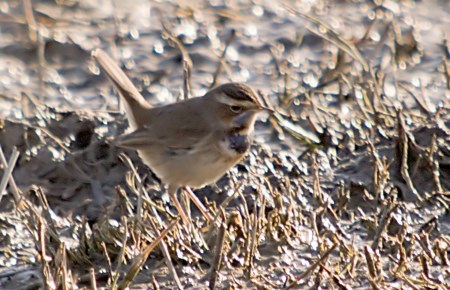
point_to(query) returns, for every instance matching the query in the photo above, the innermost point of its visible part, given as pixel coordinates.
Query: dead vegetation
(349, 189)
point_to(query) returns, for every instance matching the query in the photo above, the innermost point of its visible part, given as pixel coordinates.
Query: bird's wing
(176, 127)
(175, 142)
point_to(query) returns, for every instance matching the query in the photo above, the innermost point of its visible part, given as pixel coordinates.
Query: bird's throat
(234, 144)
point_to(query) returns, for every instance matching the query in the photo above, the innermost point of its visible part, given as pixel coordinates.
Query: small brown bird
(190, 143)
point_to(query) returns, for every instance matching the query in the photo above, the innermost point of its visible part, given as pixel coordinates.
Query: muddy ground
(347, 184)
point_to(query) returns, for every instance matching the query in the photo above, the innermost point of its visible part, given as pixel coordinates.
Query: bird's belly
(194, 170)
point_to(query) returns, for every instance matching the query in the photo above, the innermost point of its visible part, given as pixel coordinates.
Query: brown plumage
(192, 142)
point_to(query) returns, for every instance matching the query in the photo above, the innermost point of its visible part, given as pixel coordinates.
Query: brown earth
(347, 185)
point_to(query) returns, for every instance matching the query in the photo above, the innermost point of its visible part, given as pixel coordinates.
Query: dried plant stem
(446, 61)
(223, 205)
(404, 168)
(62, 267)
(45, 267)
(215, 266)
(383, 224)
(331, 35)
(93, 279)
(434, 164)
(187, 62)
(43, 116)
(7, 175)
(221, 63)
(112, 276)
(126, 234)
(166, 254)
(422, 104)
(186, 221)
(380, 170)
(138, 189)
(199, 204)
(133, 271)
(253, 223)
(36, 36)
(313, 267)
(317, 190)
(12, 183)
(373, 265)
(31, 22)
(336, 279)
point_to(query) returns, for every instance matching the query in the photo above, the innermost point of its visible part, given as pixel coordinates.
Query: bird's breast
(200, 165)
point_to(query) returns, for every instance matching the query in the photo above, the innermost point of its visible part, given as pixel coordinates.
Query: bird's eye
(236, 109)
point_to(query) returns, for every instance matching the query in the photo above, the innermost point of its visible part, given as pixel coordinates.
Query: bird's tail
(135, 104)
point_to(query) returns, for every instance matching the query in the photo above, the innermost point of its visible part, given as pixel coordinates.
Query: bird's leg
(176, 203)
(199, 204)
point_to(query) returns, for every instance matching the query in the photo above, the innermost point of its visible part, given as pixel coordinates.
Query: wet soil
(347, 184)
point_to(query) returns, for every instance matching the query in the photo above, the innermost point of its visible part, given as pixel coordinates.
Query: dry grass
(352, 200)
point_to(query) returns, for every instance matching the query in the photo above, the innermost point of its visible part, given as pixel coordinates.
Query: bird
(191, 143)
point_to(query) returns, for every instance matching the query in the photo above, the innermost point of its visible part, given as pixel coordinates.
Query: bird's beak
(266, 110)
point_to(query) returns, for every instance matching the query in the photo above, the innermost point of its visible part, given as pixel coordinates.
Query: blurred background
(45, 47)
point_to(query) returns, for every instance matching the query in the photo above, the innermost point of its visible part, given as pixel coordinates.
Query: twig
(138, 189)
(12, 183)
(112, 276)
(383, 223)
(31, 22)
(58, 141)
(126, 234)
(372, 260)
(93, 279)
(166, 254)
(313, 267)
(422, 104)
(215, 266)
(62, 267)
(199, 204)
(222, 58)
(404, 145)
(446, 61)
(434, 164)
(45, 267)
(139, 262)
(331, 36)
(250, 250)
(187, 62)
(336, 279)
(334, 37)
(8, 171)
(35, 36)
